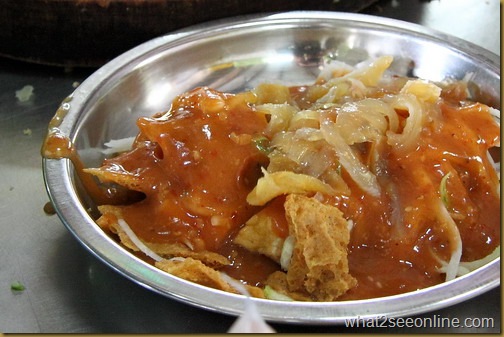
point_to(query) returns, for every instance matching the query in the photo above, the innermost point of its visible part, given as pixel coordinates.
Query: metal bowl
(235, 55)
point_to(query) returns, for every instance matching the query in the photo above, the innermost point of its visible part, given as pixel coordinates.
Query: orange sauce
(57, 145)
(196, 165)
(252, 268)
(195, 168)
(389, 257)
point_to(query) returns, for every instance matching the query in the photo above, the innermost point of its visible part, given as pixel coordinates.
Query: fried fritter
(319, 262)
(258, 236)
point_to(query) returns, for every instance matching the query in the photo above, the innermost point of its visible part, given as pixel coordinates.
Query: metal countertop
(70, 291)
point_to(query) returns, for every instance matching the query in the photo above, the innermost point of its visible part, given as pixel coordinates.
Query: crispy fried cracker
(195, 271)
(319, 263)
(120, 177)
(108, 221)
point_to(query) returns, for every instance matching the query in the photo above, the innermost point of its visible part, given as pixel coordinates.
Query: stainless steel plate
(234, 55)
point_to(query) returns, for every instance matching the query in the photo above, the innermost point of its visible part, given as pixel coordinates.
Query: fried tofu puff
(318, 266)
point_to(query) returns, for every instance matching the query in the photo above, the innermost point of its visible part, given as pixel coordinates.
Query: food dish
(371, 185)
(307, 62)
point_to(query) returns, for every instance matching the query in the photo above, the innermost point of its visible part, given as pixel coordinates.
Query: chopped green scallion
(17, 286)
(272, 294)
(262, 144)
(443, 191)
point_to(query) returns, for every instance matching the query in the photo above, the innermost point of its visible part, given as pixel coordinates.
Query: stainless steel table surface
(68, 290)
